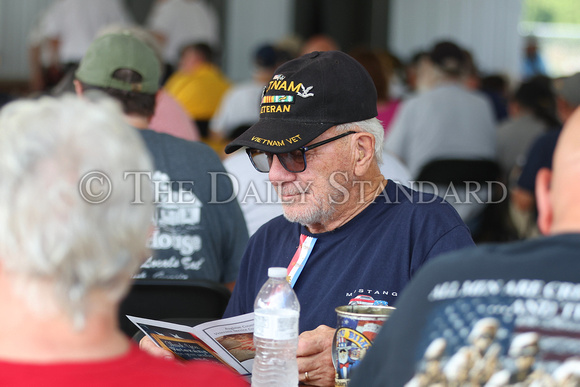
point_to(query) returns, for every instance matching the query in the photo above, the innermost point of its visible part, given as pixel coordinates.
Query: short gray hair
(429, 75)
(60, 246)
(372, 126)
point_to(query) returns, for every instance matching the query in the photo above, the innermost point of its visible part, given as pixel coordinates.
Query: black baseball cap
(307, 96)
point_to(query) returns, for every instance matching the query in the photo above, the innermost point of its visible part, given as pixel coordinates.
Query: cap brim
(278, 136)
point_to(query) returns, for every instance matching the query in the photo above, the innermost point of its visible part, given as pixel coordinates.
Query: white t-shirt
(448, 121)
(239, 106)
(75, 23)
(392, 168)
(258, 199)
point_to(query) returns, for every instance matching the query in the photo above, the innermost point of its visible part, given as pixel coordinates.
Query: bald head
(557, 192)
(567, 153)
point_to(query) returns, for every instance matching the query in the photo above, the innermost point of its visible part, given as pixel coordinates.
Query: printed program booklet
(229, 341)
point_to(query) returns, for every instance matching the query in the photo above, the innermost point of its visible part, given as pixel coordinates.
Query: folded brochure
(229, 341)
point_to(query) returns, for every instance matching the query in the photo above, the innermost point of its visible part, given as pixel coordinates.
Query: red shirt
(135, 368)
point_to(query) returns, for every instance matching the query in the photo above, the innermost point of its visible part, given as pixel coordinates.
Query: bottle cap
(277, 272)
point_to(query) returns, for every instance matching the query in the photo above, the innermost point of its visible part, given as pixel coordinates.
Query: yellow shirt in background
(199, 92)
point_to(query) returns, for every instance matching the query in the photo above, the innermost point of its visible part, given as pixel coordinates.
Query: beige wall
(488, 28)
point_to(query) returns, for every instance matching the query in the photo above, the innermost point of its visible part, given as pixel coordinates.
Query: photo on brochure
(229, 341)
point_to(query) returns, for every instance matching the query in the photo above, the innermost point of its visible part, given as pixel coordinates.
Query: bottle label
(276, 326)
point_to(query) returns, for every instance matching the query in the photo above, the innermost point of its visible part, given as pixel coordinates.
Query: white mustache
(285, 189)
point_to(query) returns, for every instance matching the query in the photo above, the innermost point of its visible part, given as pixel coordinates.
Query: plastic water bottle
(276, 314)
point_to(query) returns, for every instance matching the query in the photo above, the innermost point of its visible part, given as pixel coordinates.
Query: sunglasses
(294, 161)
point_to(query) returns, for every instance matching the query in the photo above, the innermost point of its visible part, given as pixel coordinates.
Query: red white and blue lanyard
(300, 257)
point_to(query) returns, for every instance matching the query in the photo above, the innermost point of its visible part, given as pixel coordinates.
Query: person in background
(318, 42)
(540, 154)
(395, 74)
(169, 117)
(386, 107)
(446, 120)
(288, 47)
(532, 63)
(495, 87)
(177, 23)
(198, 85)
(411, 72)
(67, 256)
(490, 87)
(240, 109)
(199, 230)
(471, 77)
(64, 32)
(451, 294)
(532, 112)
(240, 105)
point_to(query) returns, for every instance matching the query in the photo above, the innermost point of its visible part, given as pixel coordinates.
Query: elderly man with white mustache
(346, 230)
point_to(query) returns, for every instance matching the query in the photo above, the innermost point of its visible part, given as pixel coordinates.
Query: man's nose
(278, 173)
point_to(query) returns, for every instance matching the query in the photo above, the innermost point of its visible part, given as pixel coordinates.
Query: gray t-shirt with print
(199, 230)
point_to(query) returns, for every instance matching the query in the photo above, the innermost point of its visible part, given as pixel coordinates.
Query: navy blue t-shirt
(374, 254)
(539, 156)
(468, 317)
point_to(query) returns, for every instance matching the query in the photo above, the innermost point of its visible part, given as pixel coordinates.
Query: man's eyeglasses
(294, 161)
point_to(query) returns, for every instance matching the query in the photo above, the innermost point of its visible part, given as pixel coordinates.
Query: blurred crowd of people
(436, 105)
(438, 124)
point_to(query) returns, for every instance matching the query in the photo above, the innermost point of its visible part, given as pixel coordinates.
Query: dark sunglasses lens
(293, 161)
(260, 160)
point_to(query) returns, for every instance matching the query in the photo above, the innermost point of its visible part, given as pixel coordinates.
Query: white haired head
(372, 126)
(61, 247)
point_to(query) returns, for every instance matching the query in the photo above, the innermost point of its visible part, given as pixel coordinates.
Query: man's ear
(364, 152)
(78, 87)
(543, 200)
